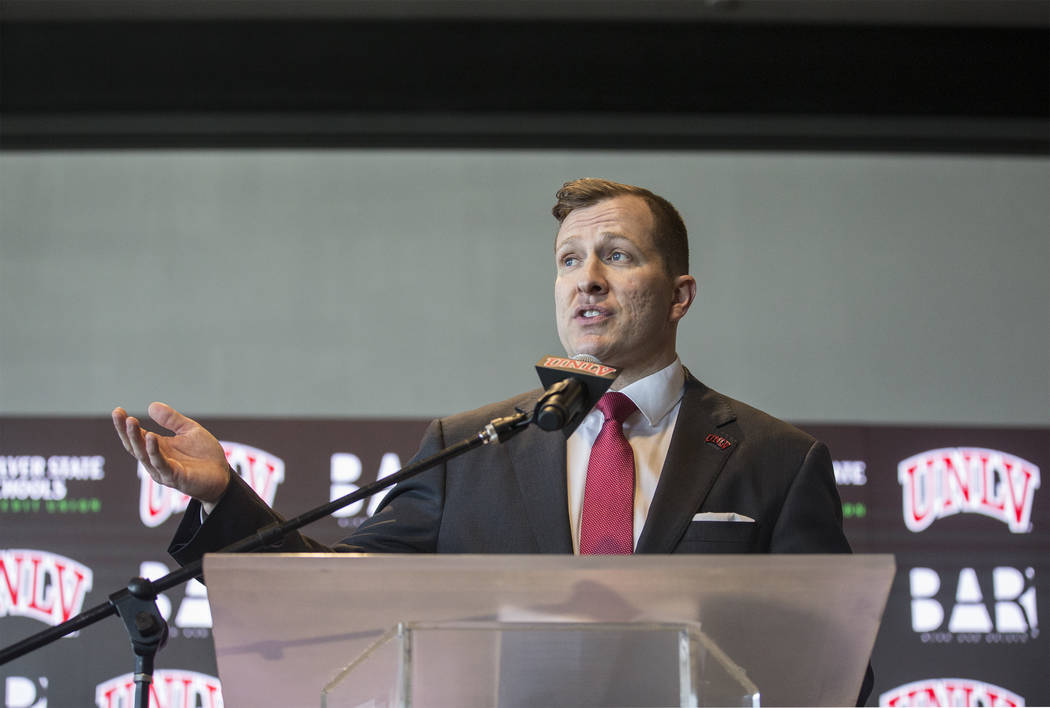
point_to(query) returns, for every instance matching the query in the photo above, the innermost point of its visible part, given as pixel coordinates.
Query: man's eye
(618, 256)
(569, 261)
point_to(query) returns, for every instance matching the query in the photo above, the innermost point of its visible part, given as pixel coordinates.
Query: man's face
(614, 298)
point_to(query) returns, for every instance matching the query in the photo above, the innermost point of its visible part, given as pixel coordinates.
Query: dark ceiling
(718, 75)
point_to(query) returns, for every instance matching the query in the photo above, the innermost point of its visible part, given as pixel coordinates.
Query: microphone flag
(574, 385)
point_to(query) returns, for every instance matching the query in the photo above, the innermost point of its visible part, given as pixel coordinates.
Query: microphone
(574, 386)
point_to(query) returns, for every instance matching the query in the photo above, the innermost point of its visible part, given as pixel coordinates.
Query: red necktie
(607, 525)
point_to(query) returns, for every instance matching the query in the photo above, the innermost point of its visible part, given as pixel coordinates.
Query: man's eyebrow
(567, 242)
(603, 236)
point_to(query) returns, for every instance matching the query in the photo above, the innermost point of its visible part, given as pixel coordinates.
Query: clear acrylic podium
(522, 664)
(469, 630)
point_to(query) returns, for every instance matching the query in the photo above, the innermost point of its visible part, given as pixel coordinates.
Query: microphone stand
(136, 604)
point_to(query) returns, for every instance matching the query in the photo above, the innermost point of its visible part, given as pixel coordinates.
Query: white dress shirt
(648, 430)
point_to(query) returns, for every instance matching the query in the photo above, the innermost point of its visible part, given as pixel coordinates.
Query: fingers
(192, 461)
(145, 447)
(131, 435)
(170, 418)
(120, 417)
(136, 439)
(156, 459)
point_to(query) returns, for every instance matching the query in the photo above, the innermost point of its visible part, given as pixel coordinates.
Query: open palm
(191, 461)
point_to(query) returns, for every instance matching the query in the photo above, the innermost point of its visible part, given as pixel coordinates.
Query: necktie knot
(616, 406)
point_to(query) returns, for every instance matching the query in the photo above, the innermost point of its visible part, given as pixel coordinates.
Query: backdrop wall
(895, 306)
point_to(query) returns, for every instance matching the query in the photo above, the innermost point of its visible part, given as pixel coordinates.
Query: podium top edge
(539, 562)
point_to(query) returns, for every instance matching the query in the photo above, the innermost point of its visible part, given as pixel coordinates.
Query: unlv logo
(170, 689)
(956, 480)
(949, 692)
(261, 470)
(42, 586)
(591, 367)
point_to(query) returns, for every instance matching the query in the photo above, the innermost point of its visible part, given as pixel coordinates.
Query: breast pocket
(719, 537)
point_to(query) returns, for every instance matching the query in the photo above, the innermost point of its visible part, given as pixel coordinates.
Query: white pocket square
(722, 516)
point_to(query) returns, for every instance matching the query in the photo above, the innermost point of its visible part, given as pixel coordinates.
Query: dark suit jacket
(724, 456)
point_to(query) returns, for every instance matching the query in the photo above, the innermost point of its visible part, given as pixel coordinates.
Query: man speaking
(663, 464)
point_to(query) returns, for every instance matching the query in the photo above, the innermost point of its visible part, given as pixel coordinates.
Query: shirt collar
(656, 394)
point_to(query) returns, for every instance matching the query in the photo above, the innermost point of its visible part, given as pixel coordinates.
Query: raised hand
(192, 461)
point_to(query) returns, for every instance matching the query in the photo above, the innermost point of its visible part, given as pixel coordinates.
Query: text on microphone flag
(590, 367)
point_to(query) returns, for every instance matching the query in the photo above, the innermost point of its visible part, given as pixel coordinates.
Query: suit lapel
(539, 465)
(696, 456)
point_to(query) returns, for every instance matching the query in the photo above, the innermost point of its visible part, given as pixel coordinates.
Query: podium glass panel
(285, 625)
(525, 664)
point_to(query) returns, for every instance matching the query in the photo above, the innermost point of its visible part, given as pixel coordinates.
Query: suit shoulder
(764, 442)
(758, 421)
(745, 420)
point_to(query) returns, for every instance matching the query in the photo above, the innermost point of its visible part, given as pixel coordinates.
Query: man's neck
(631, 374)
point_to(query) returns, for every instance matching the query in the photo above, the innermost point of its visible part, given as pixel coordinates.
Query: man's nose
(592, 277)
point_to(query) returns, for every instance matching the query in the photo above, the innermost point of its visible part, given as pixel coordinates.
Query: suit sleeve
(240, 513)
(810, 519)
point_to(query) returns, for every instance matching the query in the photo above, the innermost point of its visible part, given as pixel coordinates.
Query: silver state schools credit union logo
(967, 480)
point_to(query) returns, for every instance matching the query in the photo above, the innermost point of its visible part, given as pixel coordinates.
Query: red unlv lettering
(718, 441)
(42, 586)
(171, 688)
(954, 480)
(557, 362)
(949, 692)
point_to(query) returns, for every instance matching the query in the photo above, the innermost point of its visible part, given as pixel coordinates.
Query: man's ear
(682, 296)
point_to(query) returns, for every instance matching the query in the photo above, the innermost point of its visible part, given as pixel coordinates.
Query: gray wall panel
(413, 283)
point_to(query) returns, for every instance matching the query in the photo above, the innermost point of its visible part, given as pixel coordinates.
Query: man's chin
(600, 353)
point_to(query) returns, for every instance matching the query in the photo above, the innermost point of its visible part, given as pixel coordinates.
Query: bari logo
(949, 692)
(42, 586)
(193, 617)
(1012, 602)
(170, 689)
(25, 692)
(260, 469)
(955, 480)
(345, 470)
